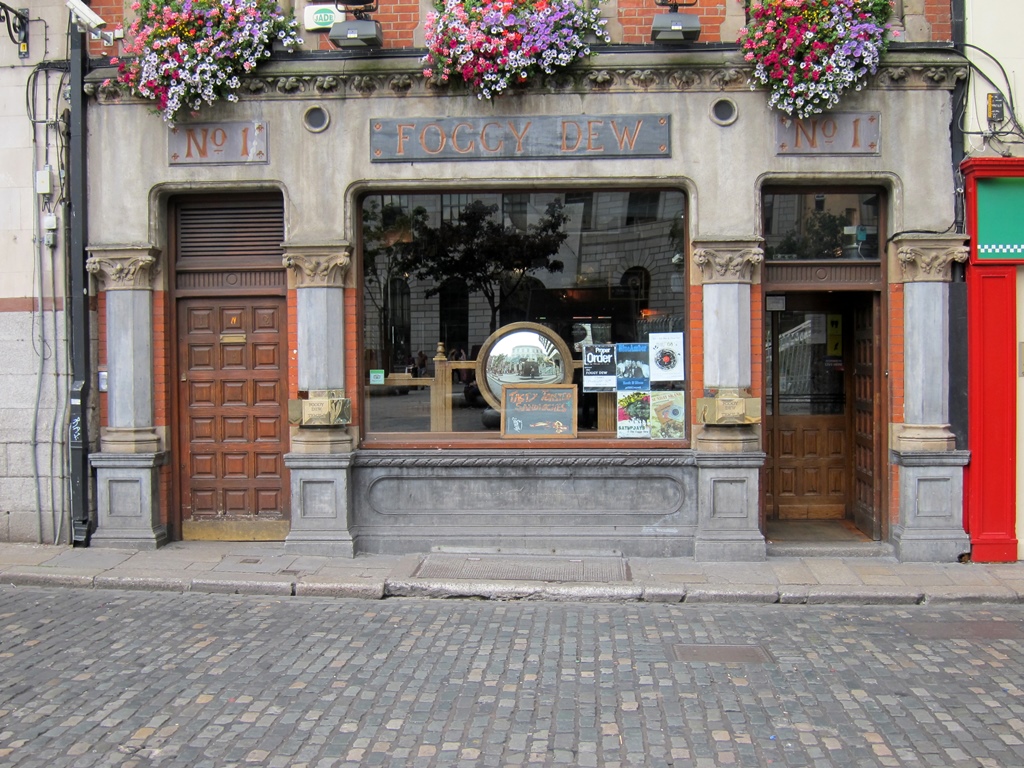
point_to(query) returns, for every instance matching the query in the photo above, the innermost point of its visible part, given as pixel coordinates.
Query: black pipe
(78, 433)
(958, 422)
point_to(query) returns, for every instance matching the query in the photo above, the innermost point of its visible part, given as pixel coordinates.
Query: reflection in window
(821, 225)
(594, 266)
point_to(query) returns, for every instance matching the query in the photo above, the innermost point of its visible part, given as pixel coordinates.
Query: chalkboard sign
(538, 410)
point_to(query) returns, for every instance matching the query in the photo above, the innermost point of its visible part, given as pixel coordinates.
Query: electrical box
(50, 221)
(996, 113)
(43, 181)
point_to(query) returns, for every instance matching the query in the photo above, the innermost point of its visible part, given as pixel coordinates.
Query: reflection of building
(226, 286)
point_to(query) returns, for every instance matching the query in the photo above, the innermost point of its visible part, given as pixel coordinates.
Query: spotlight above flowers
(494, 45)
(810, 52)
(191, 52)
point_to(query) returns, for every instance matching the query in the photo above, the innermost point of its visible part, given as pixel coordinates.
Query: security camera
(85, 15)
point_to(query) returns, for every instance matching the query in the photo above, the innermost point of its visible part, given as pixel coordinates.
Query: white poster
(667, 358)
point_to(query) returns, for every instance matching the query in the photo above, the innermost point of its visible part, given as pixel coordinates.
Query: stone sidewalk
(268, 569)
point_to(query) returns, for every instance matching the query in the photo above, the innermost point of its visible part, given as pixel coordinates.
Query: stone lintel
(922, 438)
(927, 258)
(726, 259)
(324, 265)
(129, 440)
(931, 458)
(123, 267)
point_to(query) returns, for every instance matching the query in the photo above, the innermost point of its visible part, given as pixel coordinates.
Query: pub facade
(626, 310)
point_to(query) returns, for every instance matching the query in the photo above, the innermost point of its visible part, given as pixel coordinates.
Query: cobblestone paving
(107, 678)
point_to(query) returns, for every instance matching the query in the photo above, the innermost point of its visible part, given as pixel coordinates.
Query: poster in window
(632, 367)
(599, 368)
(667, 361)
(668, 415)
(634, 414)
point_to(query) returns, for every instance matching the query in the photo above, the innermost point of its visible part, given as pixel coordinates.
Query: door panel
(232, 411)
(867, 501)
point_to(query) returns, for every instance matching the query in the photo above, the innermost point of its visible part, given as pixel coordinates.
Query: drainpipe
(78, 433)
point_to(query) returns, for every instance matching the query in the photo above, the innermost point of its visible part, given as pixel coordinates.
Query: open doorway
(823, 418)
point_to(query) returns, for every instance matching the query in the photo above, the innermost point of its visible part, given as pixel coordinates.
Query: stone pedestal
(127, 500)
(728, 522)
(931, 528)
(321, 504)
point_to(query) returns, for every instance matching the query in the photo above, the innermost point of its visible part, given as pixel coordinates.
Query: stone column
(320, 458)
(728, 450)
(127, 494)
(930, 526)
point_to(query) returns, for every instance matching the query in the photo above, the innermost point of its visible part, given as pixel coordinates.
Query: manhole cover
(965, 630)
(505, 568)
(721, 654)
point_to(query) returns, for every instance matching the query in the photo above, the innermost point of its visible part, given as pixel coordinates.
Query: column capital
(318, 266)
(728, 260)
(928, 258)
(123, 267)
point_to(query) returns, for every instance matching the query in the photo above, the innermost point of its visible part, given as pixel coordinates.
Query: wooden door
(808, 471)
(233, 417)
(867, 415)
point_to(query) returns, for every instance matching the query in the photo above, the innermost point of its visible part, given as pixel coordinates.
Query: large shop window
(821, 225)
(472, 297)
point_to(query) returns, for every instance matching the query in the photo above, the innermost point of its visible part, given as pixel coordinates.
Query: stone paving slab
(267, 568)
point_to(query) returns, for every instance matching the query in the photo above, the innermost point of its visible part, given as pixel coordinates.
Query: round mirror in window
(521, 353)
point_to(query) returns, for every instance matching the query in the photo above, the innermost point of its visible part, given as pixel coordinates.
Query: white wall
(994, 25)
(33, 377)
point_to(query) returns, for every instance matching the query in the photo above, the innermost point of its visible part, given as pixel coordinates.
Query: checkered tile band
(1018, 248)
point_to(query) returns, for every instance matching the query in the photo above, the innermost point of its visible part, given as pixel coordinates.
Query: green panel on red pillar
(1000, 219)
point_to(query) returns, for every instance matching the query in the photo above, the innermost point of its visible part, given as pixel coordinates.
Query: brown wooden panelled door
(232, 411)
(808, 472)
(867, 502)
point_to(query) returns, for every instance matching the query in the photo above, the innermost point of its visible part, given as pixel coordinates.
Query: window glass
(821, 225)
(442, 272)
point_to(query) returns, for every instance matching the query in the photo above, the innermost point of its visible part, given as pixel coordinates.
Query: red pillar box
(995, 211)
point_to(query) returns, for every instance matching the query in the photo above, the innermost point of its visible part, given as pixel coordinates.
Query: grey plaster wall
(322, 173)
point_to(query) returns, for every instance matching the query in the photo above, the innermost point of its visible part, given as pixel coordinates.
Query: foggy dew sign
(519, 138)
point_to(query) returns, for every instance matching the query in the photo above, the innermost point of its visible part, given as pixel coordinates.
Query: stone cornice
(611, 71)
(929, 258)
(123, 267)
(318, 266)
(727, 261)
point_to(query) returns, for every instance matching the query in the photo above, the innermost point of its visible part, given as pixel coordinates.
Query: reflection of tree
(492, 259)
(387, 236)
(822, 238)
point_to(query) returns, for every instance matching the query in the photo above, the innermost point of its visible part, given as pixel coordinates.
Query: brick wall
(895, 368)
(400, 21)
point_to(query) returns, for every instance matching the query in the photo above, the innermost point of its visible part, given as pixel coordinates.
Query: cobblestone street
(111, 678)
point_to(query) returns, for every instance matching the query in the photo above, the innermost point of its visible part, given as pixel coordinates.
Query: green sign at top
(1000, 206)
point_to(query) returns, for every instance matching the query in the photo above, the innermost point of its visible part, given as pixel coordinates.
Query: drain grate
(965, 630)
(721, 654)
(505, 568)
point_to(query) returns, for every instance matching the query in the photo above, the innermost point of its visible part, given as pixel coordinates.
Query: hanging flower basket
(188, 53)
(495, 44)
(810, 52)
